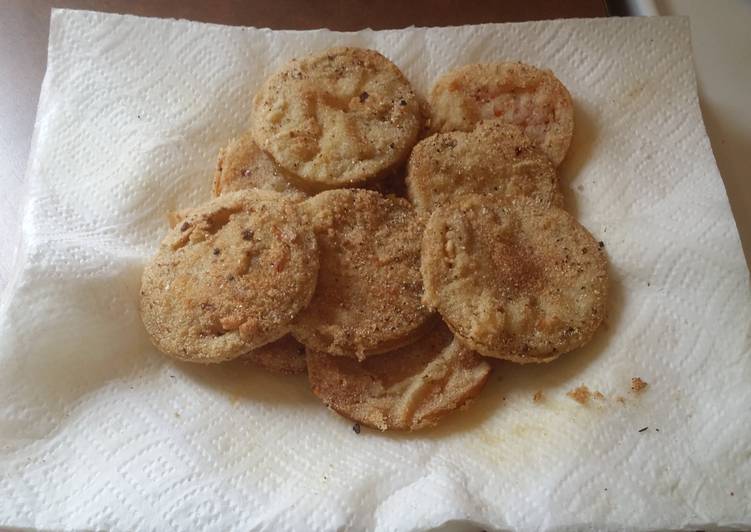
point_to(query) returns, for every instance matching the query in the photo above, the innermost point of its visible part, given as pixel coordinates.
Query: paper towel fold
(97, 430)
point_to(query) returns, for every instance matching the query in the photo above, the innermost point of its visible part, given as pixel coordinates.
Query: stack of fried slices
(310, 257)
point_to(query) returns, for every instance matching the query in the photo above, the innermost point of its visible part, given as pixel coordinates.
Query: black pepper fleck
(601, 244)
(642, 430)
(363, 96)
(403, 102)
(356, 428)
(247, 234)
(184, 226)
(217, 251)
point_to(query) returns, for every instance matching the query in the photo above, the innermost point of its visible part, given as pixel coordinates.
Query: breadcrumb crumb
(581, 395)
(637, 385)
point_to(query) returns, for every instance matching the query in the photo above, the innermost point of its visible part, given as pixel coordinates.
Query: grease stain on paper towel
(526, 430)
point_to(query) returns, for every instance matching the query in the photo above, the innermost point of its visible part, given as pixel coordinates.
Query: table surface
(24, 26)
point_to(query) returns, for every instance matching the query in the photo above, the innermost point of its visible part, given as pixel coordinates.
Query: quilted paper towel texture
(97, 430)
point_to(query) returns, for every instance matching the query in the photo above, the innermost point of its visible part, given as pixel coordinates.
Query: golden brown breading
(408, 389)
(337, 118)
(492, 158)
(520, 94)
(231, 277)
(514, 280)
(369, 287)
(242, 165)
(285, 356)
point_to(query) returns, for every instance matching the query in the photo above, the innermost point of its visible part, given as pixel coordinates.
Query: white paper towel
(97, 430)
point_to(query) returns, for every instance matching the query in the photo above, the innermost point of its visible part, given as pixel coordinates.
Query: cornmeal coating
(514, 280)
(337, 118)
(493, 158)
(242, 165)
(368, 298)
(408, 389)
(285, 356)
(230, 278)
(519, 94)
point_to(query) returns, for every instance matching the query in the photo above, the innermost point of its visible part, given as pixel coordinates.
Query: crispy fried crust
(520, 94)
(285, 356)
(369, 287)
(514, 281)
(495, 157)
(175, 217)
(231, 277)
(243, 165)
(408, 389)
(337, 118)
